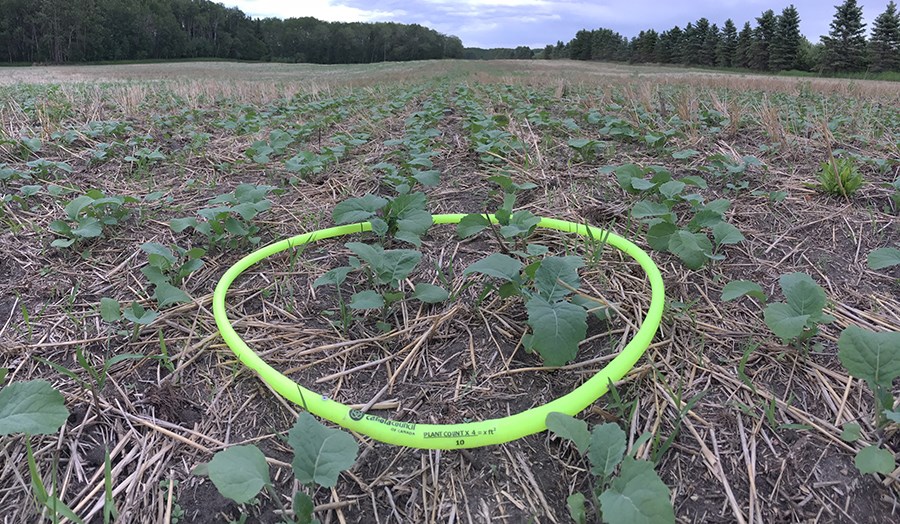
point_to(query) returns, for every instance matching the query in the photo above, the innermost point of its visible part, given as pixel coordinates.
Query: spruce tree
(885, 43)
(762, 40)
(690, 45)
(744, 47)
(785, 48)
(711, 42)
(728, 46)
(845, 45)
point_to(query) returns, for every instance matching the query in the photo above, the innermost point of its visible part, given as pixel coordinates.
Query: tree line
(59, 31)
(773, 44)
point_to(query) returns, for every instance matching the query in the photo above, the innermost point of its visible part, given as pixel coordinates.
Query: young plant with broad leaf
(624, 490)
(240, 473)
(798, 318)
(874, 357)
(664, 198)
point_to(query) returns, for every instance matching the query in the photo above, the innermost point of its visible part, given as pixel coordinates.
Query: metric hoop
(445, 436)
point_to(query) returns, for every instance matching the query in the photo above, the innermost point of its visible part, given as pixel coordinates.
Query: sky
(535, 23)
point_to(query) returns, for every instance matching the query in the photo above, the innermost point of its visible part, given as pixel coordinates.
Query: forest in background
(774, 44)
(65, 31)
(60, 31)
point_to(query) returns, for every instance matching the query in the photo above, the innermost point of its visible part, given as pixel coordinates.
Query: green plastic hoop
(445, 436)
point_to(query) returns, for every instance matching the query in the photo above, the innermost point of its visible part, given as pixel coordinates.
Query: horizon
(500, 23)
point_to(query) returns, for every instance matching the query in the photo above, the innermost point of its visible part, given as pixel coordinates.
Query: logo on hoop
(356, 414)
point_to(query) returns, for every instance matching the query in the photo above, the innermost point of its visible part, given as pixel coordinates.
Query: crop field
(769, 204)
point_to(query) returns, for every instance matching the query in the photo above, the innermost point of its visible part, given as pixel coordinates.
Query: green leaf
(579, 143)
(161, 251)
(431, 177)
(557, 328)
(647, 209)
(333, 277)
(239, 472)
(719, 206)
(606, 449)
(536, 250)
(671, 189)
(73, 208)
(642, 184)
(88, 228)
(725, 233)
(625, 173)
(803, 294)
(430, 294)
(412, 224)
(637, 496)
(389, 266)
(873, 459)
(3, 373)
(303, 507)
(137, 314)
(31, 407)
(704, 218)
(110, 310)
(692, 248)
(379, 226)
(154, 275)
(685, 154)
(659, 234)
(167, 294)
(520, 223)
(320, 453)
(873, 357)
(851, 432)
(33, 144)
(571, 428)
(693, 180)
(784, 321)
(367, 299)
(236, 227)
(471, 225)
(884, 257)
(575, 503)
(738, 288)
(497, 265)
(554, 270)
(180, 224)
(62, 242)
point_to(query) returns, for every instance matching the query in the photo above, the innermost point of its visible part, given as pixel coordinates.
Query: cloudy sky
(535, 23)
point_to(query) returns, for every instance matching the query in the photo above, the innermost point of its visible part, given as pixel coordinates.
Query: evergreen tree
(668, 46)
(561, 51)
(762, 40)
(785, 48)
(691, 41)
(547, 54)
(580, 46)
(643, 48)
(744, 48)
(725, 53)
(845, 45)
(885, 42)
(711, 42)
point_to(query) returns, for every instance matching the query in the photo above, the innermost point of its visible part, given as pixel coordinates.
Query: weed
(839, 177)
